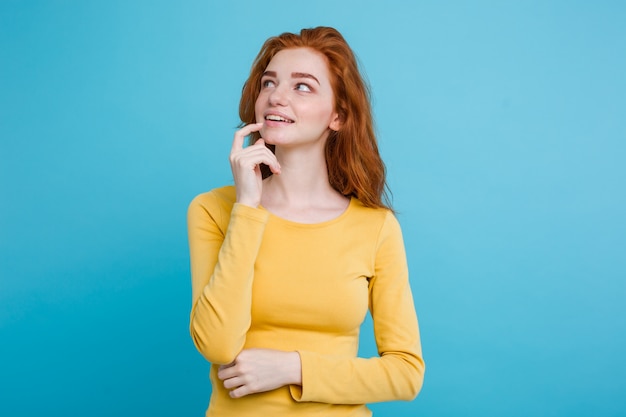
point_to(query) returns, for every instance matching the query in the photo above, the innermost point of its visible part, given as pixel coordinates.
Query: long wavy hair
(354, 165)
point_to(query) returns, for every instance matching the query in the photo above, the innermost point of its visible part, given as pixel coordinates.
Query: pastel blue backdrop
(503, 127)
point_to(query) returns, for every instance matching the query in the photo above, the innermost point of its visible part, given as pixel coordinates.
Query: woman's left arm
(398, 372)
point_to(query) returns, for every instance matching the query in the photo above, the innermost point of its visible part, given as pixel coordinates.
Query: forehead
(303, 60)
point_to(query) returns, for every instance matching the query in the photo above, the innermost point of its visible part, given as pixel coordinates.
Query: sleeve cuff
(256, 214)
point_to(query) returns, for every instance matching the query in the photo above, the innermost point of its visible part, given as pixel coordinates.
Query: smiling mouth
(275, 118)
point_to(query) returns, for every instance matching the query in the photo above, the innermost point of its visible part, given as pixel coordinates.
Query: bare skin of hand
(260, 370)
(245, 164)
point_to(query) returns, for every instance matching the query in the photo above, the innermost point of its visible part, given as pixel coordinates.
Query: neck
(303, 180)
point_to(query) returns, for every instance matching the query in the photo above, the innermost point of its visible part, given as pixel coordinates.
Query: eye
(267, 83)
(303, 87)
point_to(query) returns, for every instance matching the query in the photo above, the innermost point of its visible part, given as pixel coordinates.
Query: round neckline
(312, 225)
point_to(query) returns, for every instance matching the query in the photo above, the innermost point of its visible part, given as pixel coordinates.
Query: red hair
(354, 165)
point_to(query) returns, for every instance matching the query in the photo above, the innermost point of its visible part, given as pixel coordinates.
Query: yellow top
(260, 281)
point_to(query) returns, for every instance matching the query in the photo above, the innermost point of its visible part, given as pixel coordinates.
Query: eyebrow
(293, 75)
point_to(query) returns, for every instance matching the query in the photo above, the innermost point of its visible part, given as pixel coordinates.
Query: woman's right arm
(223, 248)
(223, 253)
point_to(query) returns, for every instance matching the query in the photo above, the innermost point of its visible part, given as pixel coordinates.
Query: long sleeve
(223, 245)
(399, 371)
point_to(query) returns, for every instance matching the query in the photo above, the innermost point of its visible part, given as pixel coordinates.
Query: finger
(233, 383)
(273, 162)
(225, 372)
(254, 155)
(242, 391)
(241, 134)
(227, 365)
(275, 168)
(250, 160)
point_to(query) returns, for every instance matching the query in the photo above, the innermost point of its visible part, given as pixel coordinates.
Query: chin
(272, 139)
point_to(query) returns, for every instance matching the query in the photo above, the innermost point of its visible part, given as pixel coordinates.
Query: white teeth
(276, 118)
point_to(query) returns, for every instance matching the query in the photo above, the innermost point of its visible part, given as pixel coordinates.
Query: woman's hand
(244, 162)
(260, 370)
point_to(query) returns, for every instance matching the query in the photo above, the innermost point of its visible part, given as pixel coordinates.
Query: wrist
(293, 369)
(248, 202)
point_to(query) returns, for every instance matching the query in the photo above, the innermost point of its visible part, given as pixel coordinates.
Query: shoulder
(379, 221)
(223, 196)
(377, 216)
(216, 204)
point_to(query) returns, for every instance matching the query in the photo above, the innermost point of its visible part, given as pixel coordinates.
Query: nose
(278, 96)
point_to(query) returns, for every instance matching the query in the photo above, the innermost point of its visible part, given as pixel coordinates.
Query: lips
(274, 117)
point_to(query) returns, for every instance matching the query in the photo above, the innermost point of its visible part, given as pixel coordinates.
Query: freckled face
(296, 103)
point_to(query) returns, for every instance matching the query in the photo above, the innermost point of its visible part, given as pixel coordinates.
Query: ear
(336, 122)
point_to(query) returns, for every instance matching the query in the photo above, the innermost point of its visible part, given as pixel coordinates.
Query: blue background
(503, 127)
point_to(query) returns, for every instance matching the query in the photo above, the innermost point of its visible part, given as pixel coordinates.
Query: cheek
(324, 115)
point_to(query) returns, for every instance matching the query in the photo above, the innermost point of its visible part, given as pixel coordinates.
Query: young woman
(286, 263)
